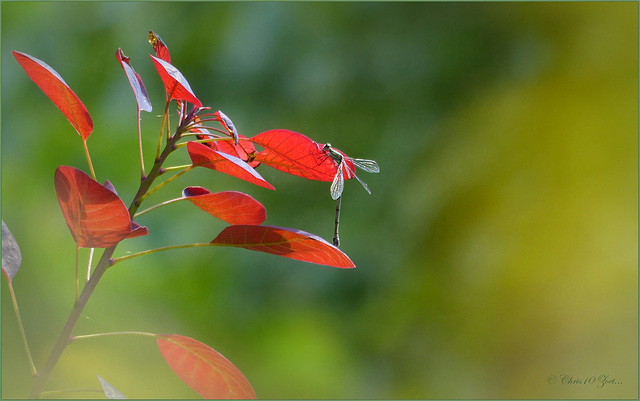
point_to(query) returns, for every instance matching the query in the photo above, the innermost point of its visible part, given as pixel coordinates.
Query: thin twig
(34, 371)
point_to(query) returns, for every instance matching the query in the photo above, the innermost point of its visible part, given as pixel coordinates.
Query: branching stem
(165, 182)
(103, 264)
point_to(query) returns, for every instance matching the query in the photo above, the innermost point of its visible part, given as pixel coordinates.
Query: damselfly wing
(338, 158)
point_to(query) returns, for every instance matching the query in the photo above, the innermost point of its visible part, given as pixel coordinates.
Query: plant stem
(86, 152)
(166, 248)
(117, 333)
(165, 115)
(140, 144)
(90, 263)
(77, 273)
(165, 182)
(157, 206)
(173, 168)
(75, 390)
(34, 371)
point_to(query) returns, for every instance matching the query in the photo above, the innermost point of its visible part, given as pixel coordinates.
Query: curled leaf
(139, 91)
(11, 256)
(204, 156)
(287, 242)
(95, 215)
(230, 206)
(202, 368)
(228, 125)
(162, 51)
(175, 83)
(52, 84)
(110, 391)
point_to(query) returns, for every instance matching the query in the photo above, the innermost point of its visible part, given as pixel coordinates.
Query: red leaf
(202, 368)
(174, 82)
(158, 45)
(96, 216)
(139, 91)
(230, 206)
(294, 154)
(244, 150)
(58, 91)
(204, 156)
(287, 242)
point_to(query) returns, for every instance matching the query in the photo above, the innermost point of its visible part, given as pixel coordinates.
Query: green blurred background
(499, 246)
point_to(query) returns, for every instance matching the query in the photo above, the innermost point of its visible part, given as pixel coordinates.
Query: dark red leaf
(139, 91)
(174, 82)
(204, 156)
(202, 368)
(58, 91)
(96, 216)
(294, 154)
(230, 206)
(287, 242)
(11, 256)
(160, 48)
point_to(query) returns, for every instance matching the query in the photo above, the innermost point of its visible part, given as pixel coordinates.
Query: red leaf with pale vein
(204, 156)
(202, 368)
(295, 154)
(52, 84)
(162, 51)
(230, 206)
(287, 242)
(139, 91)
(96, 216)
(174, 82)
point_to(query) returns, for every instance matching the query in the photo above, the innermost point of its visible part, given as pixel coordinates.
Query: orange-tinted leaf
(11, 256)
(174, 82)
(204, 156)
(162, 51)
(205, 370)
(58, 91)
(294, 154)
(287, 242)
(96, 216)
(139, 91)
(230, 206)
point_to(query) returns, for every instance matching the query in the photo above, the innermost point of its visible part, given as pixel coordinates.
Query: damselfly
(342, 163)
(338, 158)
